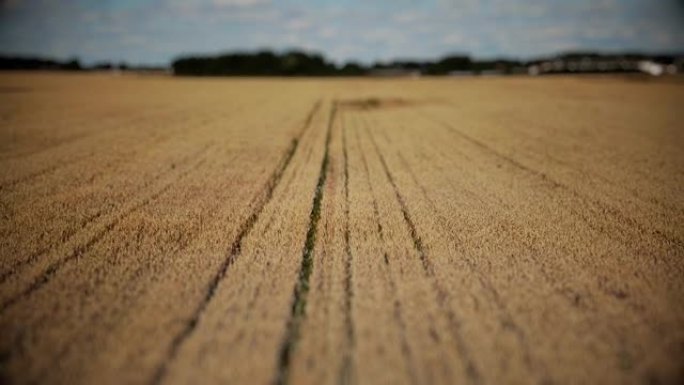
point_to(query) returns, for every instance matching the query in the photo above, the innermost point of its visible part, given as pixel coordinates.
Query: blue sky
(155, 31)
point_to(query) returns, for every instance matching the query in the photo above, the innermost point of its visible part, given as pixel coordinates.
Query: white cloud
(298, 24)
(454, 38)
(408, 17)
(365, 31)
(189, 4)
(239, 3)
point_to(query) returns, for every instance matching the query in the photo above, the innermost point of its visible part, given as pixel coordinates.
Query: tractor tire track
(235, 249)
(618, 216)
(346, 375)
(301, 289)
(620, 223)
(128, 296)
(86, 225)
(97, 234)
(47, 170)
(396, 304)
(472, 372)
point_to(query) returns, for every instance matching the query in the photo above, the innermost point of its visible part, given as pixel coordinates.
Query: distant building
(655, 66)
(651, 68)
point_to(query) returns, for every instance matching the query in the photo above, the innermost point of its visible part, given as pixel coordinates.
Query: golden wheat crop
(156, 230)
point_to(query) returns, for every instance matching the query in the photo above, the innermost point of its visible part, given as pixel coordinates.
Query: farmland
(157, 230)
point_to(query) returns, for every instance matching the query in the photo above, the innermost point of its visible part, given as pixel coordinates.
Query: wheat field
(157, 230)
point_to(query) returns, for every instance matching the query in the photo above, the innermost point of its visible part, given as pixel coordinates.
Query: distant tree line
(26, 63)
(300, 63)
(450, 64)
(632, 56)
(33, 63)
(265, 63)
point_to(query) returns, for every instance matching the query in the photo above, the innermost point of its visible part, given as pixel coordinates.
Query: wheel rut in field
(576, 297)
(346, 375)
(47, 170)
(79, 249)
(472, 372)
(619, 216)
(235, 249)
(622, 224)
(301, 288)
(569, 295)
(98, 218)
(506, 319)
(126, 124)
(398, 312)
